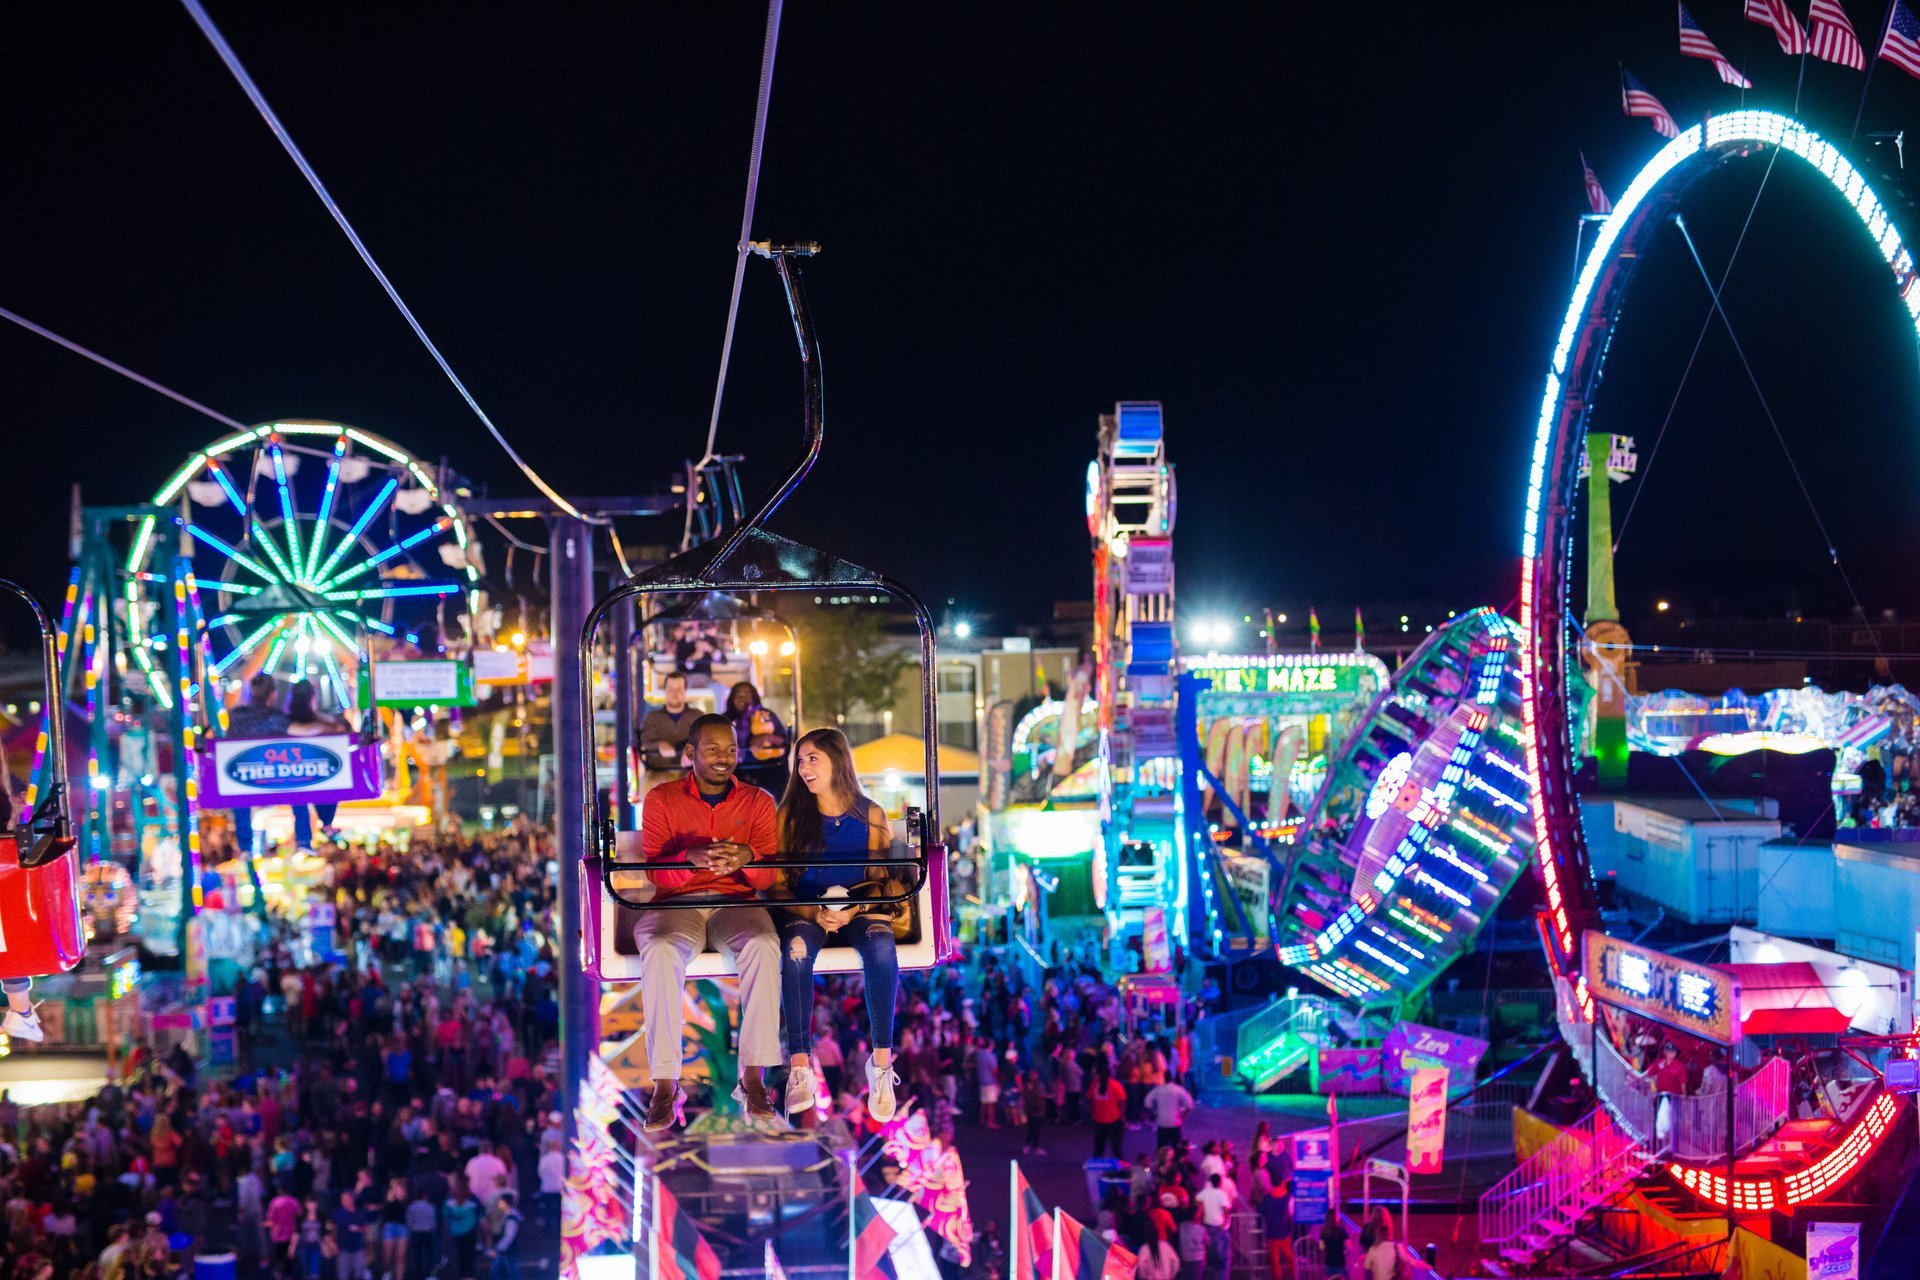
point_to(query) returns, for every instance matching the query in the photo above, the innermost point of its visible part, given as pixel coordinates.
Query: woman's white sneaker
(802, 1091)
(881, 1104)
(22, 1026)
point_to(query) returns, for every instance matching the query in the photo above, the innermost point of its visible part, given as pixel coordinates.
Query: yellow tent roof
(904, 753)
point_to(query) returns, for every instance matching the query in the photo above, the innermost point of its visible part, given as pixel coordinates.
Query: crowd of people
(392, 1116)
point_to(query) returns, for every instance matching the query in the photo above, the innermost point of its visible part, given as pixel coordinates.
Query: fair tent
(906, 755)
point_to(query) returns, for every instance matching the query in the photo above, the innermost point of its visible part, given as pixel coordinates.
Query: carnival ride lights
(1130, 519)
(308, 569)
(1572, 380)
(1419, 830)
(1803, 1186)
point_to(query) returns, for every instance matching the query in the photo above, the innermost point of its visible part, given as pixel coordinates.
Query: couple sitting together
(720, 826)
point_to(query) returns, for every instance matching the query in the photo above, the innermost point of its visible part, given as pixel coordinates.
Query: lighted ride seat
(40, 931)
(615, 958)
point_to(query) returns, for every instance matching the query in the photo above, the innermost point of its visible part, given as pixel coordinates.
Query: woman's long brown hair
(802, 830)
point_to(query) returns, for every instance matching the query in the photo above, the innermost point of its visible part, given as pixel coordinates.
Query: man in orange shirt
(718, 825)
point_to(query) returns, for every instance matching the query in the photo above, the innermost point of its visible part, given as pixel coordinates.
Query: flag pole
(653, 1245)
(853, 1183)
(1014, 1235)
(1058, 1253)
(1872, 65)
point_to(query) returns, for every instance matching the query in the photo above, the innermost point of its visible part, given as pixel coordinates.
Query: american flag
(1833, 38)
(1596, 195)
(1786, 28)
(1694, 44)
(1636, 101)
(1902, 45)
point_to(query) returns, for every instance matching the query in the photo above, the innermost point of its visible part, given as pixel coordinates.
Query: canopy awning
(905, 754)
(1785, 999)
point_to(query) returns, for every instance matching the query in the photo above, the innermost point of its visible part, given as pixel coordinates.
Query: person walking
(506, 1241)
(461, 1216)
(1033, 1100)
(1194, 1246)
(1214, 1203)
(1168, 1104)
(1276, 1222)
(1107, 1106)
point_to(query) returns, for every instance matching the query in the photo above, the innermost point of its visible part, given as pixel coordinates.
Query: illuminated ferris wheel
(311, 543)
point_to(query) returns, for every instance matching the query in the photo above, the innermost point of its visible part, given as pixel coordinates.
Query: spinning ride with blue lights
(1421, 827)
(1548, 653)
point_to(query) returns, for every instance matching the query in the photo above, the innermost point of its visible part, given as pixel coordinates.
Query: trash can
(1104, 1173)
(215, 1266)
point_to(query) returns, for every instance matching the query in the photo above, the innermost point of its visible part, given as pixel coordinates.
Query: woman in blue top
(825, 817)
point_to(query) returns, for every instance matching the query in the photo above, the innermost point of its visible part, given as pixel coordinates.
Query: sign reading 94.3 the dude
(327, 767)
(1696, 998)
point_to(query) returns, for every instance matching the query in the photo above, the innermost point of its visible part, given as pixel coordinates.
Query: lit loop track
(1573, 380)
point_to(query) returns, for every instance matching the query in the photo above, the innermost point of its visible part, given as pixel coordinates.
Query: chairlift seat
(40, 931)
(617, 959)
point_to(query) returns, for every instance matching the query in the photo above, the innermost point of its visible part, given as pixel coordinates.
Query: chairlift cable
(511, 539)
(122, 370)
(1706, 323)
(279, 130)
(768, 48)
(619, 552)
(1833, 551)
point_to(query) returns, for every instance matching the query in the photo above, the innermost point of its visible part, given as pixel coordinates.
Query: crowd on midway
(979, 1047)
(392, 1119)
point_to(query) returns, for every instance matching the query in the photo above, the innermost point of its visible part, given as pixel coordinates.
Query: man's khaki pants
(668, 940)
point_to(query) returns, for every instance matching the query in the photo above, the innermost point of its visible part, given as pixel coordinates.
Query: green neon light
(180, 477)
(273, 552)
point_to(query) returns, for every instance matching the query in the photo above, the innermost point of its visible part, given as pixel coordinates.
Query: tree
(846, 663)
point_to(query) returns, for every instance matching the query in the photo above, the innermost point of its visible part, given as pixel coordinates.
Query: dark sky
(1334, 239)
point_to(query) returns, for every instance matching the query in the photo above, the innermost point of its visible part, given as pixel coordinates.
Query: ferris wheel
(311, 543)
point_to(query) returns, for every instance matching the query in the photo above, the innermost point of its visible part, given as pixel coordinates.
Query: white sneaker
(22, 1026)
(802, 1091)
(881, 1103)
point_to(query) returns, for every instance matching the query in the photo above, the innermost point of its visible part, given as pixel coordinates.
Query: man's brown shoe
(666, 1107)
(752, 1091)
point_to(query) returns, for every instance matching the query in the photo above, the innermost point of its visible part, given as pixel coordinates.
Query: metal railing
(1551, 1190)
(1259, 1053)
(1692, 1126)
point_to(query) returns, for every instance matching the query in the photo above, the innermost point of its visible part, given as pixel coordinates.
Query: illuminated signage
(1291, 678)
(1694, 998)
(432, 682)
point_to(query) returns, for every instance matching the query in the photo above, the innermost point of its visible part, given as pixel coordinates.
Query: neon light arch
(1573, 379)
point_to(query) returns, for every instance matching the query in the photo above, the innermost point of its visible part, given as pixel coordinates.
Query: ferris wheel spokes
(329, 559)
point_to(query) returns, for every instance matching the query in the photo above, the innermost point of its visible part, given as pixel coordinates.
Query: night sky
(1335, 240)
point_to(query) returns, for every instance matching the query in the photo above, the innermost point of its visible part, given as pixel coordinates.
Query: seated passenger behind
(825, 816)
(718, 825)
(762, 738)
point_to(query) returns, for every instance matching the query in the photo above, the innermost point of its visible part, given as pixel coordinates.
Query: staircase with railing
(1691, 1127)
(1537, 1207)
(1276, 1041)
